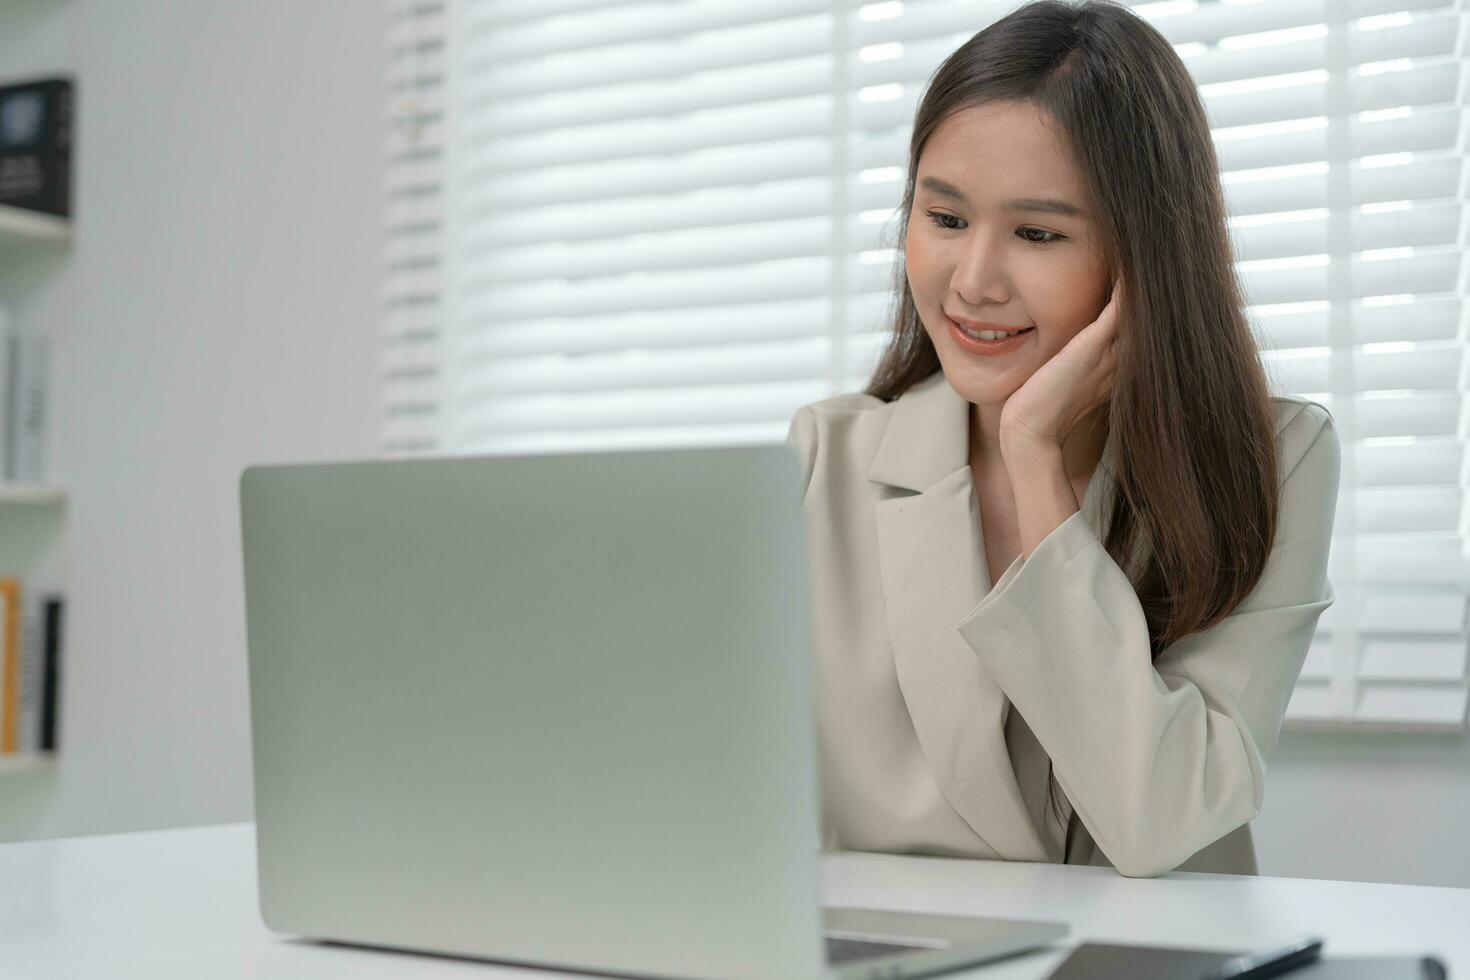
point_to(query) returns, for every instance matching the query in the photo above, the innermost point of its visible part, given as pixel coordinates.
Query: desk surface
(175, 904)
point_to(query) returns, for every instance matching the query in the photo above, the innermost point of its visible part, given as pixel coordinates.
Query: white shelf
(26, 762)
(21, 226)
(29, 493)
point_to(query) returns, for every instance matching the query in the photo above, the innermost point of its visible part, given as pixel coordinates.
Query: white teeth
(987, 334)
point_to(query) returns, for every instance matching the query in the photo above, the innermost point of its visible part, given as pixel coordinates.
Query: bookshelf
(38, 288)
(34, 252)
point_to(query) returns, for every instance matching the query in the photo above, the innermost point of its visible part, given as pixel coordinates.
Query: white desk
(181, 904)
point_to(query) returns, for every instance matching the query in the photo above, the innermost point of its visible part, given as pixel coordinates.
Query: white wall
(225, 292)
(223, 307)
(1368, 807)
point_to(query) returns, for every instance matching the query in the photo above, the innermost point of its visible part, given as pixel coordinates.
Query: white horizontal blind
(621, 224)
(640, 227)
(413, 347)
(1349, 224)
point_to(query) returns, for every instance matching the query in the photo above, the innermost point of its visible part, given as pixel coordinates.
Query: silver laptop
(554, 710)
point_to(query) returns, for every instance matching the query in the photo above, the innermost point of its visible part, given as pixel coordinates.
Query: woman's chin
(982, 387)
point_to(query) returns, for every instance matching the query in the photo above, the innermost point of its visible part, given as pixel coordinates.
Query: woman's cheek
(913, 261)
(915, 257)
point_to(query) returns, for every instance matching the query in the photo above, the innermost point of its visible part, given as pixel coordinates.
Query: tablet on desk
(1116, 961)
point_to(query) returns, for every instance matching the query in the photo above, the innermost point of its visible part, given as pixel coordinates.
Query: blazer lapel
(931, 557)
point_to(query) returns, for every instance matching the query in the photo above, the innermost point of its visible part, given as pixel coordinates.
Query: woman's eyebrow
(1048, 205)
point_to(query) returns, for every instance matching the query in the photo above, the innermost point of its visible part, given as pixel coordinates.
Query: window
(624, 225)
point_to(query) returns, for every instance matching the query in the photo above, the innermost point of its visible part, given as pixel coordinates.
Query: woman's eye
(1053, 236)
(939, 218)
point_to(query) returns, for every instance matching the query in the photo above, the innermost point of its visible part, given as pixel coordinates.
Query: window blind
(413, 348)
(616, 224)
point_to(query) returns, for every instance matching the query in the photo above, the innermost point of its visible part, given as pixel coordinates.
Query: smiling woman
(1066, 546)
(1060, 150)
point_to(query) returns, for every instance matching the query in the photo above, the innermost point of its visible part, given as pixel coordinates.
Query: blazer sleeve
(1161, 759)
(801, 438)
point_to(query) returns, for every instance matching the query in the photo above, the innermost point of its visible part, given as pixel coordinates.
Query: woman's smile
(988, 347)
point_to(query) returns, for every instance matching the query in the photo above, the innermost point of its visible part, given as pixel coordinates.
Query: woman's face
(1000, 255)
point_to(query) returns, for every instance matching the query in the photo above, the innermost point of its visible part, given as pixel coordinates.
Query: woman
(1064, 582)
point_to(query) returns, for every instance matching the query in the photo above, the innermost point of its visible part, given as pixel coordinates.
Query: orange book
(10, 677)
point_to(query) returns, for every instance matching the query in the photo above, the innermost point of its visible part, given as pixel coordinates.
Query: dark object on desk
(1109, 961)
(1271, 962)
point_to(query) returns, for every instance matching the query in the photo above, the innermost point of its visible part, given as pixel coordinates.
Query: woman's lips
(988, 348)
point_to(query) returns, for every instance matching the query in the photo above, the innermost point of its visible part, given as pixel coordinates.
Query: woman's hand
(1067, 388)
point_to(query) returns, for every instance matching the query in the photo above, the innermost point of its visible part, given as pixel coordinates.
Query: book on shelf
(31, 659)
(24, 369)
(35, 145)
(5, 331)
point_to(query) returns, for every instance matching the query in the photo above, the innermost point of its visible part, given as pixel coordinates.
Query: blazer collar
(930, 551)
(927, 438)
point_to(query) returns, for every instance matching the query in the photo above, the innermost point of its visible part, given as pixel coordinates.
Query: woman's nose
(980, 277)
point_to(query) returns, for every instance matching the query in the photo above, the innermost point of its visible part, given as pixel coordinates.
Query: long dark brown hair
(1189, 423)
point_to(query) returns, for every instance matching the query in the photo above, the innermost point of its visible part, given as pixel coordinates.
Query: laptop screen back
(554, 709)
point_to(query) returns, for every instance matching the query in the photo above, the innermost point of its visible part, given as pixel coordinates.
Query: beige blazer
(942, 696)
